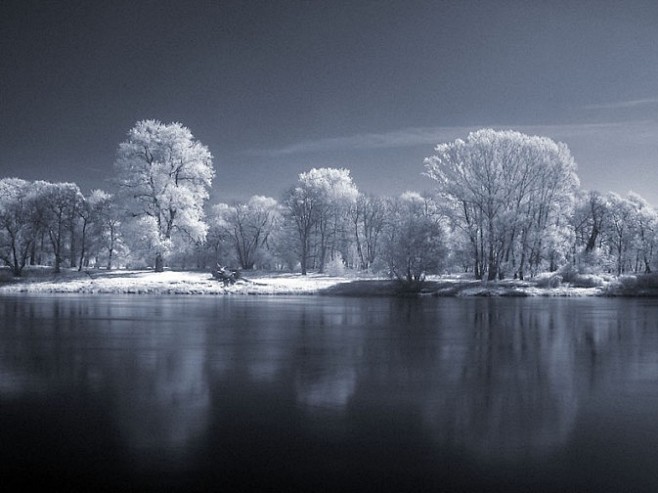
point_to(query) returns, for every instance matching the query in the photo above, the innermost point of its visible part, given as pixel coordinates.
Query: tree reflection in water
(189, 381)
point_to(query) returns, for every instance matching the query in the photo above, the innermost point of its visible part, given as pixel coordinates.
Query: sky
(274, 88)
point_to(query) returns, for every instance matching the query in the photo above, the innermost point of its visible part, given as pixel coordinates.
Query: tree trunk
(591, 242)
(110, 252)
(33, 252)
(304, 257)
(521, 270)
(83, 240)
(41, 248)
(73, 256)
(359, 249)
(492, 270)
(57, 247)
(323, 253)
(58, 263)
(159, 263)
(476, 265)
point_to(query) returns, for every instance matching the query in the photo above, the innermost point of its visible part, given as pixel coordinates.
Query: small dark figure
(227, 276)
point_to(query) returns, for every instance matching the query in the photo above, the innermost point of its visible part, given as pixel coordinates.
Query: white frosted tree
(56, 204)
(414, 241)
(614, 233)
(248, 225)
(164, 175)
(589, 218)
(17, 231)
(319, 205)
(620, 228)
(646, 228)
(504, 188)
(589, 252)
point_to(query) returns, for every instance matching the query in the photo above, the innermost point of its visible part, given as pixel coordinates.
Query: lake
(314, 393)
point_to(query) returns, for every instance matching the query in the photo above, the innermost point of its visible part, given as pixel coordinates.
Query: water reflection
(132, 357)
(190, 381)
(513, 388)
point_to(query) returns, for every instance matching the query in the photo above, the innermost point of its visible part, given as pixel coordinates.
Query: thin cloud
(408, 137)
(617, 105)
(430, 136)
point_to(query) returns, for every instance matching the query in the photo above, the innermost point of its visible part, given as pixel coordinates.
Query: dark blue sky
(276, 87)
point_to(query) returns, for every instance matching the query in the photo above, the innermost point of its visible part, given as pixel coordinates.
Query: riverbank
(163, 283)
(458, 286)
(42, 280)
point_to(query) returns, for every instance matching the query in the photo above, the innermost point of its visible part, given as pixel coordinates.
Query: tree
(284, 244)
(504, 188)
(17, 232)
(56, 204)
(164, 175)
(368, 215)
(620, 222)
(219, 239)
(589, 218)
(248, 225)
(646, 224)
(301, 206)
(85, 213)
(414, 242)
(318, 205)
(105, 220)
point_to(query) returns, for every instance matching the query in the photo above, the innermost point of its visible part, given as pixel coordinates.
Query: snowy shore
(168, 282)
(202, 283)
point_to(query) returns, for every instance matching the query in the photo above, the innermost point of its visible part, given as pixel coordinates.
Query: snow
(261, 283)
(169, 282)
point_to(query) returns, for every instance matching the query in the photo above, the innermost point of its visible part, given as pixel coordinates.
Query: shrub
(587, 281)
(641, 281)
(571, 275)
(335, 267)
(552, 281)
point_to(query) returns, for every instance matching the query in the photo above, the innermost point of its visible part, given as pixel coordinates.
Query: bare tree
(248, 225)
(368, 215)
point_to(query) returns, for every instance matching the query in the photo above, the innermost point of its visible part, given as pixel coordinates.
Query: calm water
(313, 393)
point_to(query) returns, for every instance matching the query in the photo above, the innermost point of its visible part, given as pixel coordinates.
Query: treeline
(504, 204)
